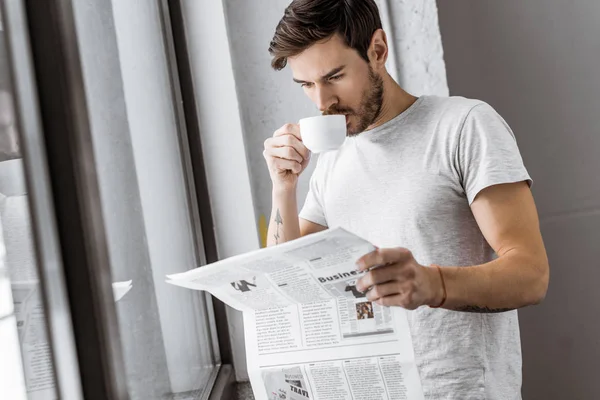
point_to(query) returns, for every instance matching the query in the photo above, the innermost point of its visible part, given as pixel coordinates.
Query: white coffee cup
(323, 133)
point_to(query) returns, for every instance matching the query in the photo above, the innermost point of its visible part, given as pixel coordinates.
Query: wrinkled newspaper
(309, 333)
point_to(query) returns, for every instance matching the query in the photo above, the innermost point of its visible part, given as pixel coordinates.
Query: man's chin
(352, 133)
(350, 127)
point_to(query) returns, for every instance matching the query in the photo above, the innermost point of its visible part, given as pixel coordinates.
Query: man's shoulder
(454, 106)
(451, 113)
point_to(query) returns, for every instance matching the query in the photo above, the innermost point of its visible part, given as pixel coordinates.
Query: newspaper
(35, 348)
(309, 333)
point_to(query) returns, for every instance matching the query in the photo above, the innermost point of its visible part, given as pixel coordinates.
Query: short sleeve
(487, 152)
(313, 210)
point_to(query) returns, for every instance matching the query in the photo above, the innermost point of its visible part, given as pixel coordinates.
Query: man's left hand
(395, 278)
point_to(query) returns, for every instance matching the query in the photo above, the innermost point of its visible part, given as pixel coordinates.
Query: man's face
(339, 81)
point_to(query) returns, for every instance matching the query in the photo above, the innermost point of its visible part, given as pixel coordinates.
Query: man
(437, 184)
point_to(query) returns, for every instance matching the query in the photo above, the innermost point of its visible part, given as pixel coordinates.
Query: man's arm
(287, 158)
(308, 228)
(285, 224)
(508, 219)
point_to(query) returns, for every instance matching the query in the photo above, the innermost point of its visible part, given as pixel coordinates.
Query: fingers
(292, 131)
(280, 164)
(288, 129)
(383, 257)
(388, 273)
(392, 278)
(283, 159)
(381, 275)
(376, 276)
(291, 141)
(286, 153)
(383, 290)
(397, 297)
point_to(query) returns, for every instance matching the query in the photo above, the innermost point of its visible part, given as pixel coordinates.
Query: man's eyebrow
(332, 72)
(326, 76)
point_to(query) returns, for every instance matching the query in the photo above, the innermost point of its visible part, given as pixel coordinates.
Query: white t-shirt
(409, 183)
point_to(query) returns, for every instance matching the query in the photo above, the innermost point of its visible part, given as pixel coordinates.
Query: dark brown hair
(306, 22)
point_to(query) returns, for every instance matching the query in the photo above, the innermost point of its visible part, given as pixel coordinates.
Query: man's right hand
(286, 156)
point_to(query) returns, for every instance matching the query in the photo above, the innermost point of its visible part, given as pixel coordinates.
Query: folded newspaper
(310, 334)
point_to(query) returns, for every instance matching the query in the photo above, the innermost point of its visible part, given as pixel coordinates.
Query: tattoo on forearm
(483, 310)
(278, 221)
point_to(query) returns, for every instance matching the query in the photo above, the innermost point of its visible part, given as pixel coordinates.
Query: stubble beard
(369, 109)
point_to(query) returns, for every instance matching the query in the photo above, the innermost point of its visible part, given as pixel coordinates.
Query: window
(165, 332)
(26, 360)
(112, 199)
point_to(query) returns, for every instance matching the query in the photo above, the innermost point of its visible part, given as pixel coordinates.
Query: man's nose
(324, 99)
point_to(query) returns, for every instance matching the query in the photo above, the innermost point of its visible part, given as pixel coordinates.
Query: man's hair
(306, 22)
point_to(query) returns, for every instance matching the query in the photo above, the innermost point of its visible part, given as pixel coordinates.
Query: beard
(369, 109)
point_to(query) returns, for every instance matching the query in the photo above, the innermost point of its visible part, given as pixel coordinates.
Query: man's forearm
(284, 224)
(512, 281)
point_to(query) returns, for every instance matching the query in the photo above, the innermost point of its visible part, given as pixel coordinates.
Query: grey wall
(267, 99)
(536, 62)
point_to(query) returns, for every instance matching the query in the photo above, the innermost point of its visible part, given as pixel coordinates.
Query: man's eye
(306, 85)
(336, 78)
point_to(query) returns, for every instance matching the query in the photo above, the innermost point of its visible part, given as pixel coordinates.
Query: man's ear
(378, 49)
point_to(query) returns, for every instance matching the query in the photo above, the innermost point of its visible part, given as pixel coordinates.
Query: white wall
(267, 99)
(418, 46)
(537, 63)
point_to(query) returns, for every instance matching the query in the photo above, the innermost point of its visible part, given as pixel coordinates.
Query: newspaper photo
(310, 334)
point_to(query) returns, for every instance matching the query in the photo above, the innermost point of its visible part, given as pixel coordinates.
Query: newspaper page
(310, 334)
(35, 348)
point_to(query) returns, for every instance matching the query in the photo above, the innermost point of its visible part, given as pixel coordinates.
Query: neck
(395, 101)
